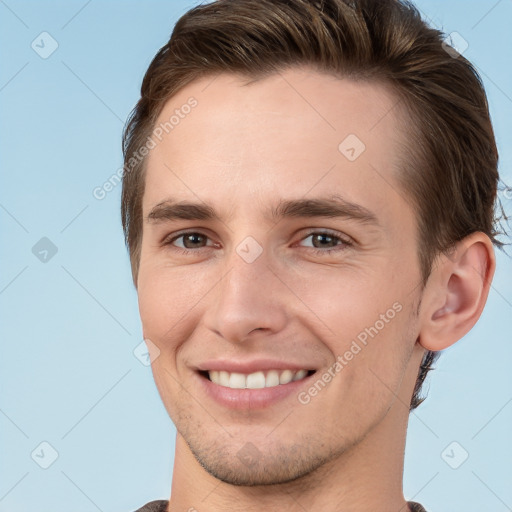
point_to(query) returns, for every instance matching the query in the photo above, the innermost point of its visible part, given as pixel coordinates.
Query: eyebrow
(333, 206)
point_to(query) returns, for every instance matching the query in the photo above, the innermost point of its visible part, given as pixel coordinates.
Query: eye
(327, 242)
(323, 242)
(192, 240)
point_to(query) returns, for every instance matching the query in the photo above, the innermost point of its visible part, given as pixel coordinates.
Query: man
(308, 204)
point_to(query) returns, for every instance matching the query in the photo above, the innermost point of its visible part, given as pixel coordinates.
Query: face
(278, 275)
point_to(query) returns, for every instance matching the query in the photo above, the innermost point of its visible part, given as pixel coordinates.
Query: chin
(250, 466)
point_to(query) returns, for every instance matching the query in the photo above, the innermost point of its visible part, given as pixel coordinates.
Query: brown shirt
(161, 506)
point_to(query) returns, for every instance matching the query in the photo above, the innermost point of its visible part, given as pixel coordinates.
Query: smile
(256, 380)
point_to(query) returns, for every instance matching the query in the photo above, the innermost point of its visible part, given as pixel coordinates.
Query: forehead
(245, 144)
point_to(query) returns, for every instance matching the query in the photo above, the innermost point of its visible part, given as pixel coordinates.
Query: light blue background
(69, 326)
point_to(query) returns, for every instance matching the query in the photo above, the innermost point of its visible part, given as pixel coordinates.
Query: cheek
(351, 304)
(366, 324)
(374, 374)
(167, 298)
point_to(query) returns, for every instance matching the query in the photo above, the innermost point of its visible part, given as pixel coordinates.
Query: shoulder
(154, 506)
(415, 507)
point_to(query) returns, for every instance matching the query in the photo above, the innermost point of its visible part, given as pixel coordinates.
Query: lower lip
(250, 398)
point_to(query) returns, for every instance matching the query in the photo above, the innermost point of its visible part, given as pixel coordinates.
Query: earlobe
(457, 292)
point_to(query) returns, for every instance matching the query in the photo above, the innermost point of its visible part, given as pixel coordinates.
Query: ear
(456, 292)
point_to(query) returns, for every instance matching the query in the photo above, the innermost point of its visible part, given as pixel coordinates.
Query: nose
(249, 298)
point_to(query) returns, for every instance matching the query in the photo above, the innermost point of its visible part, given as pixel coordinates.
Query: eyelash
(345, 243)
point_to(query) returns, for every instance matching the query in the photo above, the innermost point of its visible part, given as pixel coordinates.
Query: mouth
(255, 380)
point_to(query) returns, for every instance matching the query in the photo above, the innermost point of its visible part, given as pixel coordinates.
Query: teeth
(255, 380)
(223, 379)
(237, 381)
(300, 375)
(286, 377)
(272, 379)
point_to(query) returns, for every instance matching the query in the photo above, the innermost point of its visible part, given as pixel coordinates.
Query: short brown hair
(449, 168)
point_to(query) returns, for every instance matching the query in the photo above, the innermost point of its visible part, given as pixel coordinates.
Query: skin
(242, 149)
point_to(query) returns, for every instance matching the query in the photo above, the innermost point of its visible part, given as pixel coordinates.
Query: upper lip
(252, 366)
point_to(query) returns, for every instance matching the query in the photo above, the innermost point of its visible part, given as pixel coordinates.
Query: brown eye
(189, 241)
(324, 242)
(192, 240)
